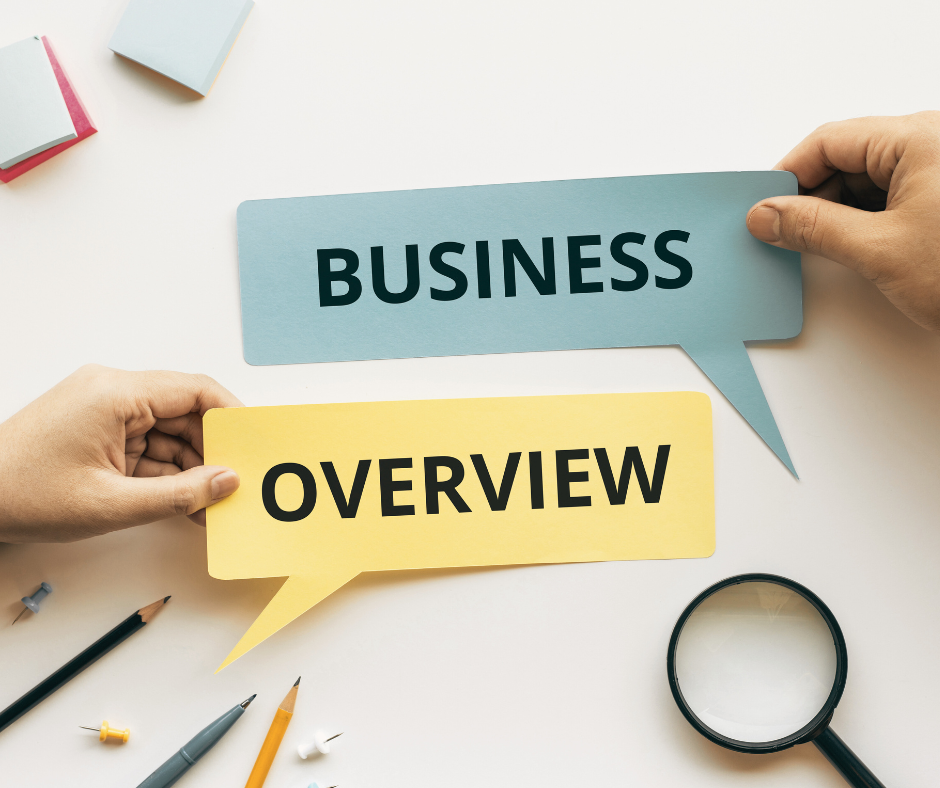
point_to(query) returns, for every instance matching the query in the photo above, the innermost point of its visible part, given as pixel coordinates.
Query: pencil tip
(149, 611)
(166, 599)
(244, 703)
(297, 682)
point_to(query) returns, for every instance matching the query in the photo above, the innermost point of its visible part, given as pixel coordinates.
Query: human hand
(107, 449)
(871, 201)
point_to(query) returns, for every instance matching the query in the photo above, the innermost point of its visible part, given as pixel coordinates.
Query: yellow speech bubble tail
(297, 595)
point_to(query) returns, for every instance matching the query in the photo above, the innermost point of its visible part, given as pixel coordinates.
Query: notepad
(33, 113)
(185, 40)
(84, 127)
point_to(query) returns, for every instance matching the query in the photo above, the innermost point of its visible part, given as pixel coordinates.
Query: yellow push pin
(105, 733)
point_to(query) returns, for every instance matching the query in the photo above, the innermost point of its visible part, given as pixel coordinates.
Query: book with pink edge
(84, 127)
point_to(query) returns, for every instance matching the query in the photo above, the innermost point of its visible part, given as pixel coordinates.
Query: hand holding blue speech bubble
(555, 265)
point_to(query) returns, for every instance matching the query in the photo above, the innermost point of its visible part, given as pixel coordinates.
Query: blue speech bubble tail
(730, 369)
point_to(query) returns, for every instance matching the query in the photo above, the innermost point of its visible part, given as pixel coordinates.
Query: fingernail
(764, 224)
(224, 484)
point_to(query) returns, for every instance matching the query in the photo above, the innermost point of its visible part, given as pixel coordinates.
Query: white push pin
(320, 745)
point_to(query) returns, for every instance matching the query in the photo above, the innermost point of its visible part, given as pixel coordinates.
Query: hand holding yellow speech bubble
(329, 491)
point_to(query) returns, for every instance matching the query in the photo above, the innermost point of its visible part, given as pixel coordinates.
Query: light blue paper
(185, 40)
(740, 289)
(33, 113)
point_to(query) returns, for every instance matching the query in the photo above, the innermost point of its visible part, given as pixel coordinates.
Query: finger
(147, 467)
(133, 451)
(144, 500)
(855, 238)
(168, 395)
(872, 145)
(857, 190)
(172, 394)
(167, 448)
(860, 191)
(188, 427)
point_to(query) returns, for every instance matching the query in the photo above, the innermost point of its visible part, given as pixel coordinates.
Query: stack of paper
(40, 114)
(185, 40)
(35, 117)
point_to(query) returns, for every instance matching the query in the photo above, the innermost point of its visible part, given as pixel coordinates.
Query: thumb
(838, 232)
(144, 500)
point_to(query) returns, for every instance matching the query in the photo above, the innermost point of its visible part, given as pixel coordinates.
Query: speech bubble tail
(729, 368)
(293, 599)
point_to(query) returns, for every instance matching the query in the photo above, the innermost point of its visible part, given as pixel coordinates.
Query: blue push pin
(32, 602)
(313, 785)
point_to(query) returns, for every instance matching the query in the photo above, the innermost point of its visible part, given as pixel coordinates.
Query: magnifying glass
(757, 663)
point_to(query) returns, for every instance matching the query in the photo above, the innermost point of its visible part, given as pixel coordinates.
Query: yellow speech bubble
(329, 491)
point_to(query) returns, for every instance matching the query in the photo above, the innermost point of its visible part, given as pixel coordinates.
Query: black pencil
(72, 668)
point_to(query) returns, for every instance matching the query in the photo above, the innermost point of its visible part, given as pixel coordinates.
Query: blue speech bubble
(555, 265)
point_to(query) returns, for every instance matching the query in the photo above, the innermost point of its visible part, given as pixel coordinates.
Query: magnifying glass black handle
(837, 752)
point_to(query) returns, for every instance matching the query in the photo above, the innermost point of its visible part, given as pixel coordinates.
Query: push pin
(319, 746)
(105, 733)
(314, 785)
(32, 602)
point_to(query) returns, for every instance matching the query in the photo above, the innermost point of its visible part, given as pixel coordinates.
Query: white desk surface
(122, 251)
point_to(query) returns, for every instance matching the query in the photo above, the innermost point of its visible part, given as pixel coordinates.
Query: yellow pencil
(273, 740)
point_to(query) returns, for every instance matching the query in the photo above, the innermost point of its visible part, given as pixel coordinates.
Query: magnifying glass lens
(755, 662)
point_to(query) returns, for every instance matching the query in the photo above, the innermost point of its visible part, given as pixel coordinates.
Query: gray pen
(180, 762)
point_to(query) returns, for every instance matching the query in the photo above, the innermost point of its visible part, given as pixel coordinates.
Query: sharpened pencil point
(166, 599)
(297, 683)
(244, 703)
(148, 612)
